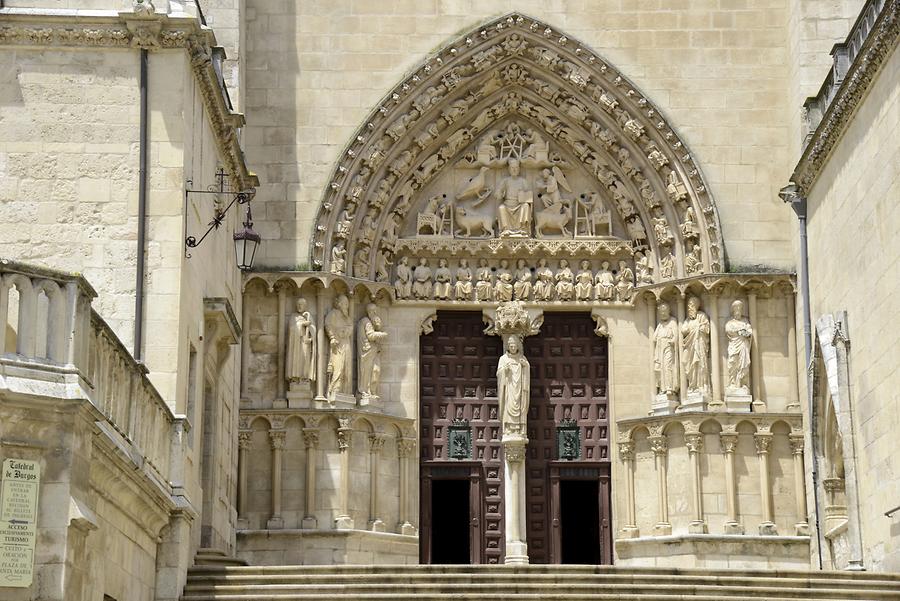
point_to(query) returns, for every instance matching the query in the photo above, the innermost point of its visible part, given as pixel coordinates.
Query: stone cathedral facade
(530, 288)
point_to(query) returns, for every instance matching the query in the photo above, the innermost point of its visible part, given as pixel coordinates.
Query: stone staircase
(544, 583)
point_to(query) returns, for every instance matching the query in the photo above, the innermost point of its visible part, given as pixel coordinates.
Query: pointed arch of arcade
(518, 66)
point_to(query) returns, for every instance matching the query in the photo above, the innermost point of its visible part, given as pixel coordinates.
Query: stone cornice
(106, 29)
(877, 47)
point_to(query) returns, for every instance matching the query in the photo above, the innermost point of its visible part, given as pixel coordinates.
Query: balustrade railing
(49, 325)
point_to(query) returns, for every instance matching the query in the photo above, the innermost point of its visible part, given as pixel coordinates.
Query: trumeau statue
(300, 359)
(739, 334)
(514, 211)
(513, 387)
(695, 347)
(665, 366)
(339, 329)
(371, 337)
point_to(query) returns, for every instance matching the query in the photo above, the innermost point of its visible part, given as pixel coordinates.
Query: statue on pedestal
(339, 329)
(513, 387)
(300, 359)
(371, 338)
(665, 367)
(695, 347)
(739, 334)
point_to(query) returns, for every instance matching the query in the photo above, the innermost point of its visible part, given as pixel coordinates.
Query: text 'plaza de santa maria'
(299, 292)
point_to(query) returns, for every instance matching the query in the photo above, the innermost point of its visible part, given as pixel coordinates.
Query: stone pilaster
(694, 442)
(729, 445)
(660, 446)
(626, 454)
(344, 438)
(801, 528)
(763, 442)
(276, 439)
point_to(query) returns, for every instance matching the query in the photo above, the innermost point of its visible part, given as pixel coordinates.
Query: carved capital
(311, 437)
(513, 318)
(626, 450)
(694, 442)
(245, 439)
(276, 439)
(659, 445)
(406, 447)
(344, 438)
(763, 442)
(797, 444)
(376, 443)
(515, 452)
(729, 441)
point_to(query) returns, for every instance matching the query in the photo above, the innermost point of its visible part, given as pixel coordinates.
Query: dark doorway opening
(579, 502)
(450, 521)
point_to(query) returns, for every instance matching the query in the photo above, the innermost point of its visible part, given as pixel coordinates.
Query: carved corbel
(427, 325)
(513, 318)
(144, 25)
(602, 328)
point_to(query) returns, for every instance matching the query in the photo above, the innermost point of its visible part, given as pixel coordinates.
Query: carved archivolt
(514, 114)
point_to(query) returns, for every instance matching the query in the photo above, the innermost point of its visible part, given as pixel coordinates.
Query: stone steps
(548, 583)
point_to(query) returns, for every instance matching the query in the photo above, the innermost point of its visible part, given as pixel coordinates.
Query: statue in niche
(674, 187)
(624, 282)
(656, 157)
(371, 337)
(345, 224)
(513, 387)
(667, 267)
(514, 212)
(502, 268)
(543, 286)
(422, 283)
(442, 279)
(605, 282)
(739, 334)
(403, 283)
(565, 288)
(300, 359)
(584, 282)
(689, 225)
(665, 336)
(693, 260)
(389, 237)
(361, 263)
(339, 258)
(522, 286)
(339, 330)
(463, 287)
(503, 289)
(643, 269)
(661, 229)
(695, 347)
(627, 164)
(484, 287)
(382, 266)
(557, 212)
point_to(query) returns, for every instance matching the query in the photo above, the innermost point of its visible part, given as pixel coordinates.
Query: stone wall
(853, 248)
(314, 71)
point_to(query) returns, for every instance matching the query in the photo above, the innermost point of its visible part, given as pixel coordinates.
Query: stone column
(793, 403)
(715, 353)
(321, 346)
(376, 443)
(405, 449)
(276, 438)
(801, 528)
(694, 442)
(245, 348)
(244, 441)
(311, 442)
(660, 447)
(626, 453)
(514, 487)
(682, 373)
(763, 441)
(280, 397)
(729, 443)
(755, 360)
(345, 437)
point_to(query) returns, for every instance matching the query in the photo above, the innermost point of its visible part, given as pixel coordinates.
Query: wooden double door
(567, 464)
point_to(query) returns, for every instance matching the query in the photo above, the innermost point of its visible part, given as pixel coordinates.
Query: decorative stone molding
(568, 103)
(877, 46)
(656, 425)
(149, 30)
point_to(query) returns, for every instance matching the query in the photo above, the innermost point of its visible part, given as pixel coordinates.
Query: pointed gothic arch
(517, 73)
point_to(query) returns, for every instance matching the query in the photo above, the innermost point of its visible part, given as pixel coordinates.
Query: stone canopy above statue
(516, 133)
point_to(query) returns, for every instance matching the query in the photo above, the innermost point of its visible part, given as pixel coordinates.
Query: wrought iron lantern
(246, 241)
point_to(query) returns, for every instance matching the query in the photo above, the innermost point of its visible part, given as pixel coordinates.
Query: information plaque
(18, 521)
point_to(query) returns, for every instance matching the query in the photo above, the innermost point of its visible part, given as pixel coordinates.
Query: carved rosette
(566, 107)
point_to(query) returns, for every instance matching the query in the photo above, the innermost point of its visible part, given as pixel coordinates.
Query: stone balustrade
(51, 332)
